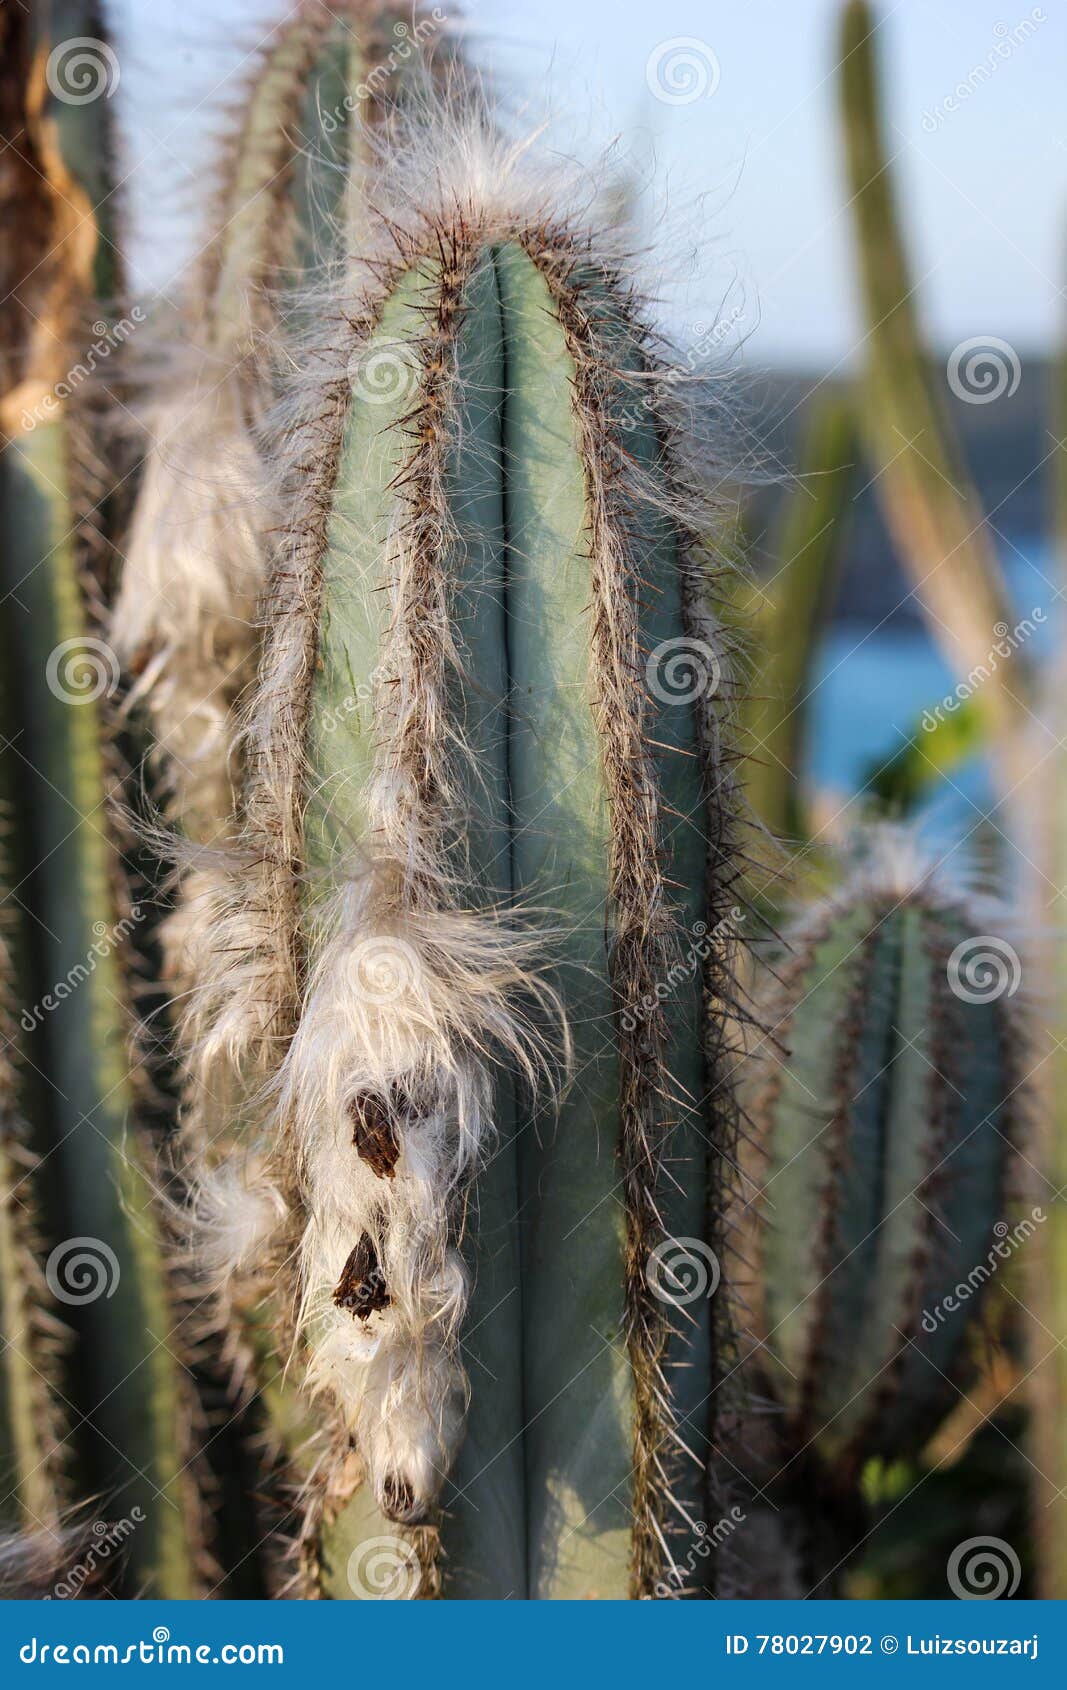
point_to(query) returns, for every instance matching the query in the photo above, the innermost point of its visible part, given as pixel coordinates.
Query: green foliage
(902, 780)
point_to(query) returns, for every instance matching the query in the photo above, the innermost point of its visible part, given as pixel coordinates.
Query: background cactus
(789, 612)
(122, 1379)
(930, 505)
(884, 1097)
(33, 1472)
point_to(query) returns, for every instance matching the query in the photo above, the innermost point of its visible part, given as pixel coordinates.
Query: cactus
(463, 718)
(72, 1007)
(805, 553)
(290, 183)
(33, 1478)
(885, 1101)
(426, 641)
(290, 177)
(930, 506)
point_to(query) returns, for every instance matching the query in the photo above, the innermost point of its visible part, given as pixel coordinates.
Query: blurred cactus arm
(806, 551)
(930, 505)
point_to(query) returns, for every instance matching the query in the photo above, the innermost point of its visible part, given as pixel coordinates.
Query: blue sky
(749, 170)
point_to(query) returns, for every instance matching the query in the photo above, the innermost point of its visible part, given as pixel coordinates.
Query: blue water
(873, 686)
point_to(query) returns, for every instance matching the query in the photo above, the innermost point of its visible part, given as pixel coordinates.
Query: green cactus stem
(122, 1379)
(34, 1459)
(291, 187)
(129, 1384)
(930, 506)
(805, 553)
(290, 183)
(885, 1101)
(483, 737)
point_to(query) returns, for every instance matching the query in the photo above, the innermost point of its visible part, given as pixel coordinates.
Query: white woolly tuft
(890, 861)
(233, 1216)
(398, 1019)
(195, 562)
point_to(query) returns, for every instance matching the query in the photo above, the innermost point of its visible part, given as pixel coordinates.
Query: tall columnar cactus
(107, 1262)
(487, 826)
(805, 553)
(885, 1097)
(929, 502)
